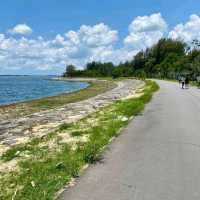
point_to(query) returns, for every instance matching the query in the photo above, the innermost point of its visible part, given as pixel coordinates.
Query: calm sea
(22, 88)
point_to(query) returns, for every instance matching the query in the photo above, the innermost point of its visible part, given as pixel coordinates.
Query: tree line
(167, 59)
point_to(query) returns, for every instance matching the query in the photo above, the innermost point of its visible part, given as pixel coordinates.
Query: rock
(17, 153)
(41, 123)
(124, 119)
(33, 184)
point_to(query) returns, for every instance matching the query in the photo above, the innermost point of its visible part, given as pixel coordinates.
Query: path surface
(157, 157)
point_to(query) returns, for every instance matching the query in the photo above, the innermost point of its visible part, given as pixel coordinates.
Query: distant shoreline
(27, 75)
(45, 103)
(48, 78)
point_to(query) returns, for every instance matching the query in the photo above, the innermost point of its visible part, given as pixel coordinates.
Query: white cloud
(145, 31)
(93, 36)
(89, 40)
(59, 40)
(188, 31)
(88, 43)
(21, 29)
(151, 23)
(76, 47)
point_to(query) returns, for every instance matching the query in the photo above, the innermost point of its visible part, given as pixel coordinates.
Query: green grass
(64, 126)
(77, 133)
(193, 83)
(45, 172)
(29, 107)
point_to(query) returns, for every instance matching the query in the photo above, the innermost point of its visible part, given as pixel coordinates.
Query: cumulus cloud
(59, 40)
(76, 47)
(90, 40)
(188, 31)
(21, 29)
(88, 43)
(93, 36)
(145, 31)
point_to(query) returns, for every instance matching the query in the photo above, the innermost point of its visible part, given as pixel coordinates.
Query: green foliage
(70, 71)
(64, 126)
(100, 69)
(77, 133)
(166, 59)
(160, 60)
(116, 73)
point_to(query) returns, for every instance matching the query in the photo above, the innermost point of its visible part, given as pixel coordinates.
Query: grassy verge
(29, 107)
(193, 83)
(46, 165)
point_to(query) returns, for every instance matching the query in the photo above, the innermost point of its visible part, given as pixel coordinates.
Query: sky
(43, 36)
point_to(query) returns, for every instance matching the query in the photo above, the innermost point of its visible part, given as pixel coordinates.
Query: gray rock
(37, 124)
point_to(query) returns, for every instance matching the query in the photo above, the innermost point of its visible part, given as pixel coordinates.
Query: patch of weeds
(129, 108)
(65, 127)
(92, 150)
(77, 133)
(15, 152)
(48, 175)
(31, 147)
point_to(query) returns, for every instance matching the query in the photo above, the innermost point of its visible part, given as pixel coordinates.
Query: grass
(29, 107)
(77, 133)
(47, 170)
(193, 83)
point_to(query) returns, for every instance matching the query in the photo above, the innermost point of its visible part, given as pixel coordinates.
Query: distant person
(187, 81)
(198, 81)
(182, 82)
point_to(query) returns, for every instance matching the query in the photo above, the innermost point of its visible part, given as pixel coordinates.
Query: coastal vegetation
(167, 59)
(47, 164)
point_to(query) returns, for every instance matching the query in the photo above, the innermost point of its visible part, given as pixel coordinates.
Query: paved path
(157, 157)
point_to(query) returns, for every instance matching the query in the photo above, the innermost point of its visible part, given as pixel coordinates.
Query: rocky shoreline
(22, 129)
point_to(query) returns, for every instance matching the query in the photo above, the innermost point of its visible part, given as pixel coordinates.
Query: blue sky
(48, 18)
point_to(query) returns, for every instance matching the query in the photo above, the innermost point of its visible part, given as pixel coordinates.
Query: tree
(167, 46)
(116, 73)
(99, 69)
(166, 59)
(159, 60)
(70, 70)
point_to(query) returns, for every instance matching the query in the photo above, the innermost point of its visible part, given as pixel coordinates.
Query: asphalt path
(157, 156)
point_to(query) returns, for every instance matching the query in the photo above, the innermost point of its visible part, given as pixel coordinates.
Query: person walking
(182, 82)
